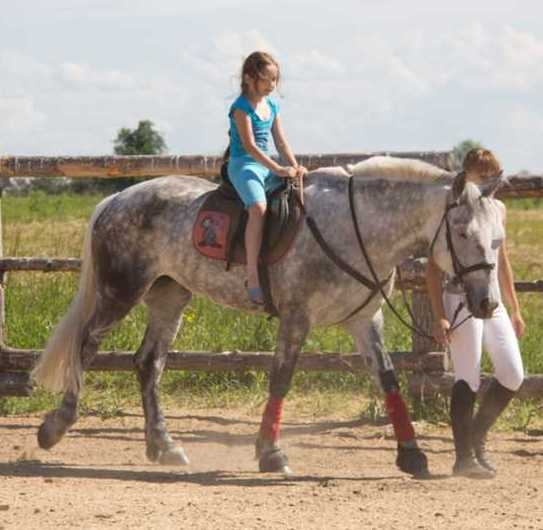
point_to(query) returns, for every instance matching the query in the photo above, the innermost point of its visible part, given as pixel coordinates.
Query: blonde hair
(481, 161)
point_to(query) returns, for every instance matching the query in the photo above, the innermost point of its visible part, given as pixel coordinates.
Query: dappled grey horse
(138, 248)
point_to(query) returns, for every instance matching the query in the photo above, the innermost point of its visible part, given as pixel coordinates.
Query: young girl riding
(251, 170)
(498, 335)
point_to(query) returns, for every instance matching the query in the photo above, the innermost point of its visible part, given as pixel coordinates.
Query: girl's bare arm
(281, 143)
(245, 129)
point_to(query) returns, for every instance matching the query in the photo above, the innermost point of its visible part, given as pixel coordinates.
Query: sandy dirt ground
(345, 477)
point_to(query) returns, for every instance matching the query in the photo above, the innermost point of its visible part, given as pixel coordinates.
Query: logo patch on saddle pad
(219, 229)
(210, 233)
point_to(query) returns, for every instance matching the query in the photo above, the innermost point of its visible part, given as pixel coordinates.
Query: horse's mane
(393, 168)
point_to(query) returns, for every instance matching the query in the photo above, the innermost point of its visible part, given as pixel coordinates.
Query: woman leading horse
(139, 248)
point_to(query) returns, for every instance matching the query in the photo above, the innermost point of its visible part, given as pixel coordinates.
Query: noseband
(459, 269)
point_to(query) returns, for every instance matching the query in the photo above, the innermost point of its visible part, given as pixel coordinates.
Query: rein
(459, 269)
(413, 326)
(375, 284)
(374, 287)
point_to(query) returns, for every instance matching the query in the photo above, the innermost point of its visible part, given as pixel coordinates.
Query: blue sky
(357, 75)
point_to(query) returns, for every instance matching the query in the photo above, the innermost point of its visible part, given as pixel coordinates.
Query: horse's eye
(463, 234)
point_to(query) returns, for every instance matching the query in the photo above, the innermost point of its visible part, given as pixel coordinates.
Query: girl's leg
(465, 349)
(248, 178)
(501, 343)
(253, 241)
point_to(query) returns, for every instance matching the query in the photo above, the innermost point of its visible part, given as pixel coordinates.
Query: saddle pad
(218, 232)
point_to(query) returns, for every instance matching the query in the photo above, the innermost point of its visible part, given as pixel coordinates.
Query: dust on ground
(344, 477)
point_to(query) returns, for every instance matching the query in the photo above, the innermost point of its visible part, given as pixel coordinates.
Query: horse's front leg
(368, 335)
(293, 330)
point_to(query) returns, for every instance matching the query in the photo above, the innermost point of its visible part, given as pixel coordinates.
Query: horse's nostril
(487, 307)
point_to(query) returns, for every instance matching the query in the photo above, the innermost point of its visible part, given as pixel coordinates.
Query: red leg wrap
(271, 421)
(399, 416)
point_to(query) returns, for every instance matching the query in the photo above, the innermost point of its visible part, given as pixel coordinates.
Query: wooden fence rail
(427, 366)
(155, 166)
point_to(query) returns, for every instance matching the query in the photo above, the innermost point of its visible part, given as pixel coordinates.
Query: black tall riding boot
(462, 402)
(493, 403)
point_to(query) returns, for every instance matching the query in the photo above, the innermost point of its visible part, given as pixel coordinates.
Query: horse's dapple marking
(139, 248)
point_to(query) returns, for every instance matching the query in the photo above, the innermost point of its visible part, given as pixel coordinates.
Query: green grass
(44, 225)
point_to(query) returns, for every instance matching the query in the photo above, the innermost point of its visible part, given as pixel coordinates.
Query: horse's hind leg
(166, 300)
(57, 422)
(368, 335)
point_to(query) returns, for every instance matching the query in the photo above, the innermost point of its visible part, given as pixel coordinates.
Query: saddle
(219, 229)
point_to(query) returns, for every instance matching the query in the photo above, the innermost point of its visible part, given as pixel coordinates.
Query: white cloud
(382, 76)
(84, 77)
(19, 114)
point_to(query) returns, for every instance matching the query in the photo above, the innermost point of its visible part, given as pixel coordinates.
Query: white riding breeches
(495, 334)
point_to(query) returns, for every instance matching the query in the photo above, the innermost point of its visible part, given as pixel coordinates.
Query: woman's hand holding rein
(441, 331)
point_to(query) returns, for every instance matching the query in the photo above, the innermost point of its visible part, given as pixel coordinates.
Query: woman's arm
(507, 284)
(434, 282)
(245, 129)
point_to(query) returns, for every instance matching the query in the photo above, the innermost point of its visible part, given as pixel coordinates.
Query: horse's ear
(491, 185)
(459, 184)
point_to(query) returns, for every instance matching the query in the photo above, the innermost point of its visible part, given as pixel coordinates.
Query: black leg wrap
(273, 461)
(413, 461)
(388, 381)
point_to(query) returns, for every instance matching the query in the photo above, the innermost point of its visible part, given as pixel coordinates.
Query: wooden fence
(426, 364)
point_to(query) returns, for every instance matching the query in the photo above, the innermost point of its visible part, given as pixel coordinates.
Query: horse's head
(467, 244)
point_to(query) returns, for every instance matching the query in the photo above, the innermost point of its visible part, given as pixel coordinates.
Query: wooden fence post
(423, 346)
(3, 275)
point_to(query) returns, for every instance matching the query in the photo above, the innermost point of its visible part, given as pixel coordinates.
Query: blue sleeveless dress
(251, 179)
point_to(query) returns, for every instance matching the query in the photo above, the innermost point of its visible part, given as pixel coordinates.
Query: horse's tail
(59, 367)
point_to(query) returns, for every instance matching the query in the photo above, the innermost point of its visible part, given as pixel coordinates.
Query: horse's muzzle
(485, 309)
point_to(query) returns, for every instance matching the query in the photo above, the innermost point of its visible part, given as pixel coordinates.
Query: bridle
(459, 269)
(375, 284)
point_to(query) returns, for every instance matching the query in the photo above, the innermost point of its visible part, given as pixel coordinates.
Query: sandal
(256, 295)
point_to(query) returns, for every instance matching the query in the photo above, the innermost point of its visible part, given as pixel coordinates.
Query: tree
(460, 151)
(144, 140)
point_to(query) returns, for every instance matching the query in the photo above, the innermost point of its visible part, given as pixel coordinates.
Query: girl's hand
(518, 324)
(441, 331)
(287, 171)
(301, 171)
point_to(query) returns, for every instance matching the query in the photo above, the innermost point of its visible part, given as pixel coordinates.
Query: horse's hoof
(274, 461)
(173, 457)
(49, 434)
(152, 453)
(413, 461)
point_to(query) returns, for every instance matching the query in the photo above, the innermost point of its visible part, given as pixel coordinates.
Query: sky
(357, 76)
